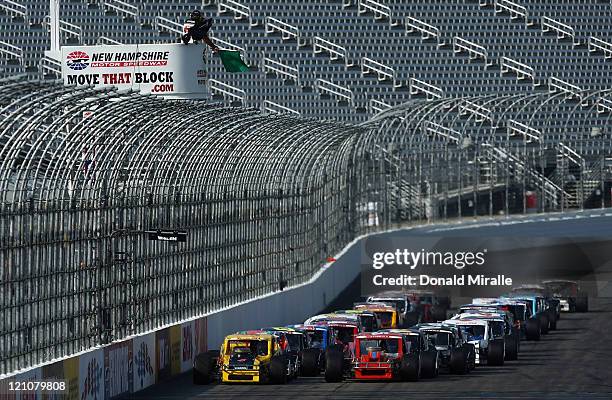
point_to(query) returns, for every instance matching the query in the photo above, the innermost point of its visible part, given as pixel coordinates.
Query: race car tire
(496, 352)
(544, 323)
(582, 304)
(553, 320)
(278, 369)
(310, 362)
(532, 329)
(334, 365)
(516, 332)
(430, 364)
(410, 368)
(203, 367)
(470, 351)
(458, 362)
(511, 347)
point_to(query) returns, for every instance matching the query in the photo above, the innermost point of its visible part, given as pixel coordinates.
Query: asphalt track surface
(573, 362)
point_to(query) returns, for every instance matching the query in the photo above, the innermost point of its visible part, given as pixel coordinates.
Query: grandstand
(346, 60)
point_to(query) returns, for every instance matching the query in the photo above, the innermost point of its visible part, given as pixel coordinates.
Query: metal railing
(323, 86)
(426, 30)
(168, 25)
(600, 46)
(280, 69)
(562, 30)
(522, 71)
(382, 71)
(431, 91)
(380, 10)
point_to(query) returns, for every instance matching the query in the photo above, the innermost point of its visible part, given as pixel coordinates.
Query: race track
(573, 362)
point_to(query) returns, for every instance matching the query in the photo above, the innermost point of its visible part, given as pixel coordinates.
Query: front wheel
(532, 329)
(310, 362)
(203, 366)
(495, 354)
(544, 323)
(334, 365)
(278, 369)
(458, 362)
(511, 347)
(430, 364)
(410, 368)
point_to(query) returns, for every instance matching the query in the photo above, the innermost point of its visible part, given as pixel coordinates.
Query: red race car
(400, 355)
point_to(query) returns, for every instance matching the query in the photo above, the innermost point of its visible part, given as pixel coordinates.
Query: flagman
(197, 28)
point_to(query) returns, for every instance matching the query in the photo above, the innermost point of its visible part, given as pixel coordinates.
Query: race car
(571, 298)
(539, 322)
(254, 358)
(317, 341)
(295, 346)
(342, 329)
(386, 315)
(342, 317)
(368, 321)
(479, 332)
(502, 327)
(388, 354)
(401, 303)
(547, 303)
(392, 355)
(456, 355)
(521, 313)
(429, 306)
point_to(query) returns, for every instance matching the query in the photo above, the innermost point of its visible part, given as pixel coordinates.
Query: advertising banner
(144, 365)
(162, 354)
(201, 335)
(118, 369)
(71, 376)
(175, 348)
(171, 70)
(187, 345)
(91, 375)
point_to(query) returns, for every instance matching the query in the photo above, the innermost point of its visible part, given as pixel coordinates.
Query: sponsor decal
(71, 375)
(201, 339)
(77, 60)
(118, 369)
(175, 349)
(130, 59)
(163, 354)
(144, 365)
(91, 379)
(187, 343)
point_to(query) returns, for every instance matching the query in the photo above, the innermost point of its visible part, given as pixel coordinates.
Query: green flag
(232, 61)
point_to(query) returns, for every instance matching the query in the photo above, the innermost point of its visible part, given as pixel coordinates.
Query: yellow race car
(245, 358)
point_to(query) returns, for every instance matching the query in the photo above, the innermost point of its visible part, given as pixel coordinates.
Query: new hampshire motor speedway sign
(170, 70)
